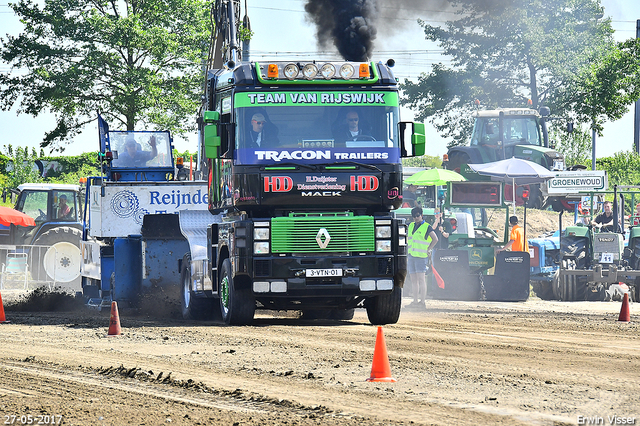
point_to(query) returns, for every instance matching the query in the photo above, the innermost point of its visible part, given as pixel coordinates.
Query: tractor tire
(536, 199)
(60, 262)
(237, 304)
(456, 161)
(194, 308)
(384, 309)
(543, 289)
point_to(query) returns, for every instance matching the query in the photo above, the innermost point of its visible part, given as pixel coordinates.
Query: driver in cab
(135, 157)
(353, 127)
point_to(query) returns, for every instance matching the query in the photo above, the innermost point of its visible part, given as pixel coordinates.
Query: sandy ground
(456, 363)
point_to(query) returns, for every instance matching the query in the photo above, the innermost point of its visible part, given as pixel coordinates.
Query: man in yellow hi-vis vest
(422, 240)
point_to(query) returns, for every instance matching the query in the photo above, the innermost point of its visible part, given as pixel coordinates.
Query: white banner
(579, 181)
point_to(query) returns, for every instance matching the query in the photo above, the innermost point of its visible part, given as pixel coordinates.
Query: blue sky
(273, 40)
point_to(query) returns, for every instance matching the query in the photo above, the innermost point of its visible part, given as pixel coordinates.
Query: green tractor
(511, 132)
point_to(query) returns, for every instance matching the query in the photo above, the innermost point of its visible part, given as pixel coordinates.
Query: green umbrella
(433, 177)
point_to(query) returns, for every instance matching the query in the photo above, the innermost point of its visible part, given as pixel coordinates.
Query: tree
(605, 88)
(426, 161)
(22, 168)
(575, 146)
(134, 61)
(504, 53)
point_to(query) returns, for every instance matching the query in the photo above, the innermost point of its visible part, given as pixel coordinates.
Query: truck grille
(338, 233)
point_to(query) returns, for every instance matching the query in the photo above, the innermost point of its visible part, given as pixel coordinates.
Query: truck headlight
(383, 246)
(261, 247)
(260, 233)
(383, 232)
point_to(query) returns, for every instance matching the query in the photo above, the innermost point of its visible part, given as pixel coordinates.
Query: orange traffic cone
(380, 370)
(3, 319)
(114, 321)
(624, 310)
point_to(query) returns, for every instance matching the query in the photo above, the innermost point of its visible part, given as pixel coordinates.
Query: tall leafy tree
(138, 62)
(505, 53)
(604, 89)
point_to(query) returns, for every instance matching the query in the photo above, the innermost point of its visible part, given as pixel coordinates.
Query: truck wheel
(193, 308)
(636, 290)
(237, 304)
(61, 261)
(384, 309)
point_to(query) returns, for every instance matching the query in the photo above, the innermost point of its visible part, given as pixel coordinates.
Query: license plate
(606, 258)
(323, 273)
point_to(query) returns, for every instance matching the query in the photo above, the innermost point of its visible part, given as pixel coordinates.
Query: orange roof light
(179, 161)
(83, 180)
(364, 70)
(529, 102)
(272, 71)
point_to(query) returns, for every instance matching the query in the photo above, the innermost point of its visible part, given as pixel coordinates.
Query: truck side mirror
(417, 138)
(211, 139)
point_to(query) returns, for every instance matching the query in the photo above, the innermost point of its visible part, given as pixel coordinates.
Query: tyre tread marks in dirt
(237, 304)
(193, 308)
(385, 308)
(59, 234)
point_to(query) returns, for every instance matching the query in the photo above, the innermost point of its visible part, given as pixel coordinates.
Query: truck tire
(237, 304)
(61, 261)
(384, 309)
(636, 290)
(193, 308)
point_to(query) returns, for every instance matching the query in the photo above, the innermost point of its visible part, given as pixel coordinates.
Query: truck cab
(304, 168)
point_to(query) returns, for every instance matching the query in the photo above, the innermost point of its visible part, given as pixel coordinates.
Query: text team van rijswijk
(178, 199)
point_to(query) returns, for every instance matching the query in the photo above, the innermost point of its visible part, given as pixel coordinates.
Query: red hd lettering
(278, 184)
(364, 183)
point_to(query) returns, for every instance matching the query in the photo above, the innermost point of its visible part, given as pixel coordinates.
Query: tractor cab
(138, 156)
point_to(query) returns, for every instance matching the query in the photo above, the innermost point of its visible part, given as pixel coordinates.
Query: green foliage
(504, 56)
(605, 88)
(575, 146)
(135, 62)
(244, 33)
(186, 156)
(22, 167)
(622, 169)
(427, 161)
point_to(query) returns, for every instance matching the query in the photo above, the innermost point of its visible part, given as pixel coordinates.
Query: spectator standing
(422, 239)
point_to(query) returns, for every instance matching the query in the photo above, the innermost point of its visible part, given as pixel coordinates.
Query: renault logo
(323, 233)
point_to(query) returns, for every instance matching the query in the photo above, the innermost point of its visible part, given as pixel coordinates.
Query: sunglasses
(259, 122)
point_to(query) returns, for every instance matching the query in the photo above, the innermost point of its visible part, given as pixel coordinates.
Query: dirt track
(457, 363)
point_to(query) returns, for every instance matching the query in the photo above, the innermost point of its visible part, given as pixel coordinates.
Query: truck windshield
(517, 131)
(141, 149)
(316, 127)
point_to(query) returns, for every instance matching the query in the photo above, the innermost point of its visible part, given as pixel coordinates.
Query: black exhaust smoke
(347, 23)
